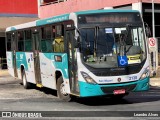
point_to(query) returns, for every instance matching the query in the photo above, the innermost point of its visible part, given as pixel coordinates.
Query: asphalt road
(13, 97)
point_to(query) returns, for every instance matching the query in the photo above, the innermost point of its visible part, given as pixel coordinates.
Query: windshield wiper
(127, 32)
(123, 39)
(95, 40)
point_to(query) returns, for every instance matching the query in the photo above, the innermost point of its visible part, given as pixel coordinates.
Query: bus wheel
(24, 80)
(61, 92)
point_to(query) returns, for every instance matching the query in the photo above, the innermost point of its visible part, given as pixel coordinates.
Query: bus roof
(104, 11)
(61, 18)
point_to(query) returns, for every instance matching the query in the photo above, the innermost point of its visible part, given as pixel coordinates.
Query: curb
(4, 72)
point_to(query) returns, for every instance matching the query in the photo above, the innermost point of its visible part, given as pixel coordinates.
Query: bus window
(28, 40)
(105, 42)
(8, 41)
(59, 40)
(46, 41)
(20, 41)
(59, 30)
(53, 32)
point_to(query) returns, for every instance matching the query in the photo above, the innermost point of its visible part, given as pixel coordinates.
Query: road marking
(11, 98)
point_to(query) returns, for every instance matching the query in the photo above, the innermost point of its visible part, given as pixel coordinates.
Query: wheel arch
(58, 74)
(21, 69)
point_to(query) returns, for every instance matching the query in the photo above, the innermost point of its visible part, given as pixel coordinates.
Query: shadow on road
(43, 89)
(136, 97)
(100, 101)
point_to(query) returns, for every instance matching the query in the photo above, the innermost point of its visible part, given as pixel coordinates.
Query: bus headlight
(145, 73)
(88, 78)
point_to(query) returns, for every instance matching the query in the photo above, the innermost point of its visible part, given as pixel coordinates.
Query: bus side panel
(10, 63)
(26, 60)
(49, 65)
(47, 70)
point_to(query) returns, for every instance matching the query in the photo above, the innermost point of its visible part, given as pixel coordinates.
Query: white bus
(86, 53)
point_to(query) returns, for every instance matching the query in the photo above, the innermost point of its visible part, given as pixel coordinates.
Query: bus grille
(107, 73)
(109, 90)
(114, 72)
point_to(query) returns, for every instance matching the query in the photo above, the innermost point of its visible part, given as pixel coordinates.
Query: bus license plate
(121, 91)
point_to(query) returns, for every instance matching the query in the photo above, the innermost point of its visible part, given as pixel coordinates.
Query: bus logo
(119, 79)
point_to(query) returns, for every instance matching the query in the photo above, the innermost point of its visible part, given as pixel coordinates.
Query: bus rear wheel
(24, 80)
(61, 92)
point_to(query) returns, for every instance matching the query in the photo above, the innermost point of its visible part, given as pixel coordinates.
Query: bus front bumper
(88, 90)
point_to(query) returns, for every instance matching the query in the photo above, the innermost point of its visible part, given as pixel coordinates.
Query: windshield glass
(101, 46)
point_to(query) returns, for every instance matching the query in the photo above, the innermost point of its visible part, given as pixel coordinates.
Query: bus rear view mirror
(147, 30)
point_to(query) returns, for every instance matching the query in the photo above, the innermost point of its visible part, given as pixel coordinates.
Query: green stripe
(53, 20)
(21, 59)
(103, 11)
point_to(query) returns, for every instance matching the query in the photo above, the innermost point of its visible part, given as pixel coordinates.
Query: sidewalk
(154, 81)
(4, 72)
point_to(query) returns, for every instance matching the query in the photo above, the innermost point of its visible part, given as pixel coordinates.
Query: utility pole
(153, 20)
(155, 52)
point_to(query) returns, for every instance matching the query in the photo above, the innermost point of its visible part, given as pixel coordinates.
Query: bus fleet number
(133, 78)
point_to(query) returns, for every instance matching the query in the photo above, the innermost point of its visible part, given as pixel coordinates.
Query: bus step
(75, 94)
(39, 85)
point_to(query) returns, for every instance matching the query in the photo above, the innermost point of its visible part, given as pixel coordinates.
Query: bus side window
(46, 41)
(58, 43)
(20, 41)
(28, 40)
(53, 36)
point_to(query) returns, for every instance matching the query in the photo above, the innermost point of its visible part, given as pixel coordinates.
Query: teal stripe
(87, 89)
(21, 59)
(13, 28)
(63, 66)
(104, 11)
(53, 20)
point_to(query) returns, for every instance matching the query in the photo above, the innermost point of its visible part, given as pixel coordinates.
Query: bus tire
(26, 84)
(61, 90)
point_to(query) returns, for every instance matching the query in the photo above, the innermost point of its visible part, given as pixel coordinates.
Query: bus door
(14, 48)
(72, 61)
(36, 48)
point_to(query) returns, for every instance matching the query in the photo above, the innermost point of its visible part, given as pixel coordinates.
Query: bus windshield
(100, 46)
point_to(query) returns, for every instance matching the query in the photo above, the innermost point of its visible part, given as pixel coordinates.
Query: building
(48, 8)
(14, 12)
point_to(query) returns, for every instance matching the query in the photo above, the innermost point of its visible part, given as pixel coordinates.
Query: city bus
(85, 54)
